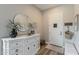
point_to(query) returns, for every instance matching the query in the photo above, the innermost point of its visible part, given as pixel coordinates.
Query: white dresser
(21, 45)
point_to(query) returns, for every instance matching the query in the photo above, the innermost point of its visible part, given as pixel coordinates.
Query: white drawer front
(12, 51)
(16, 52)
(16, 44)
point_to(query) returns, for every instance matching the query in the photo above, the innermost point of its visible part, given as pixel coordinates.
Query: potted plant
(14, 28)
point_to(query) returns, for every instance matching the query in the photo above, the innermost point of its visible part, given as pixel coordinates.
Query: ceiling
(46, 6)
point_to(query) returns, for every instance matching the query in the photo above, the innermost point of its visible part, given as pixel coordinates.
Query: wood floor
(50, 50)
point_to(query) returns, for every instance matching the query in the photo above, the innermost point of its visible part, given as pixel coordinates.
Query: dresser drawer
(35, 39)
(16, 52)
(20, 52)
(15, 44)
(12, 52)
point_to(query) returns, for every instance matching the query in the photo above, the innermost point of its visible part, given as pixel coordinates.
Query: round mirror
(25, 24)
(22, 20)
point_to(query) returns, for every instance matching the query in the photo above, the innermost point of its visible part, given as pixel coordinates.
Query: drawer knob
(16, 43)
(34, 45)
(28, 48)
(16, 54)
(16, 50)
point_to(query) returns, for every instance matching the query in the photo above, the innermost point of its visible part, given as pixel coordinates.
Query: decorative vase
(13, 33)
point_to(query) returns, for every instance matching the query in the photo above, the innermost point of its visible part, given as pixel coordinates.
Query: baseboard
(53, 44)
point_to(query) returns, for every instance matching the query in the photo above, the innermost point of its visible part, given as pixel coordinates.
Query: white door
(56, 29)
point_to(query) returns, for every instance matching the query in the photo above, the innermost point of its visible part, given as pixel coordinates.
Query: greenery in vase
(13, 25)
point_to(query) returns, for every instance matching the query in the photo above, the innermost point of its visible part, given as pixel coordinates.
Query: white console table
(21, 45)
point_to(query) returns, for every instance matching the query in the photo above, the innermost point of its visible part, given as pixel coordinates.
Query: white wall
(45, 26)
(8, 11)
(68, 12)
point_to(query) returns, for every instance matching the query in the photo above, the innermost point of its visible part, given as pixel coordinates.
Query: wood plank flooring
(50, 50)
